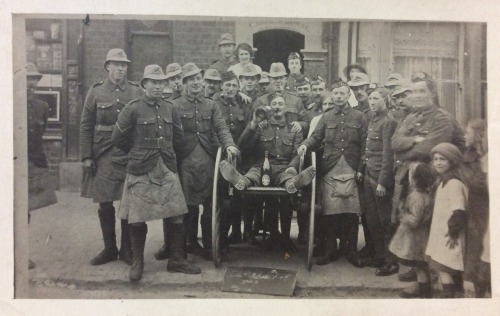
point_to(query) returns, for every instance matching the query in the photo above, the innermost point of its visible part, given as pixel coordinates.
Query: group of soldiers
(152, 145)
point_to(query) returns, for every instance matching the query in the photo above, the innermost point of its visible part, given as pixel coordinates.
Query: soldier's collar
(379, 115)
(273, 121)
(191, 98)
(111, 86)
(149, 101)
(346, 109)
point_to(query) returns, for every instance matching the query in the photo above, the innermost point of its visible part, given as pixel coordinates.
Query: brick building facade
(78, 51)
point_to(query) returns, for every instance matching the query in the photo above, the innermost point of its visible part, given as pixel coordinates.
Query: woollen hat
(301, 80)
(338, 83)
(153, 72)
(449, 151)
(116, 54)
(228, 76)
(173, 70)
(32, 71)
(212, 74)
(277, 70)
(226, 38)
(273, 96)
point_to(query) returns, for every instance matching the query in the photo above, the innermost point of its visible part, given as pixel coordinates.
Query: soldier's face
(421, 96)
(249, 83)
(376, 102)
(211, 86)
(317, 91)
(230, 88)
(403, 100)
(227, 50)
(304, 92)
(278, 83)
(175, 82)
(264, 87)
(194, 84)
(154, 88)
(117, 70)
(360, 93)
(341, 95)
(278, 106)
(294, 66)
(243, 56)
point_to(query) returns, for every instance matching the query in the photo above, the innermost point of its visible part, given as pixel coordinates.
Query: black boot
(110, 252)
(303, 223)
(125, 253)
(191, 228)
(138, 241)
(163, 252)
(177, 262)
(448, 291)
(408, 276)
(206, 234)
(331, 252)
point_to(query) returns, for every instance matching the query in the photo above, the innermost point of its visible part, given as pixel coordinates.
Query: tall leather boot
(110, 252)
(177, 262)
(330, 243)
(303, 223)
(368, 250)
(138, 241)
(191, 228)
(163, 252)
(125, 253)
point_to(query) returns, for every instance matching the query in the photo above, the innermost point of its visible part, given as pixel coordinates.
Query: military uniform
(235, 113)
(103, 104)
(290, 82)
(294, 109)
(379, 161)
(222, 66)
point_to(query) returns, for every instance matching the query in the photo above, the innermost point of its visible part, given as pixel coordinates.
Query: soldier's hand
(380, 191)
(233, 151)
(296, 127)
(257, 119)
(301, 151)
(245, 98)
(359, 176)
(89, 166)
(419, 139)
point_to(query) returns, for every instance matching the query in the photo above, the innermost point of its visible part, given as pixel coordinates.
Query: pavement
(65, 236)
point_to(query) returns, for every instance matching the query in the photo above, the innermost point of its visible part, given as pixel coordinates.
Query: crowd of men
(152, 145)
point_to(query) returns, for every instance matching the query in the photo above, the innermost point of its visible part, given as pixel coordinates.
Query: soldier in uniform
(103, 163)
(402, 98)
(394, 81)
(343, 131)
(204, 130)
(295, 67)
(317, 88)
(249, 79)
(226, 48)
(211, 79)
(264, 83)
(40, 189)
(361, 86)
(275, 136)
(174, 81)
(150, 130)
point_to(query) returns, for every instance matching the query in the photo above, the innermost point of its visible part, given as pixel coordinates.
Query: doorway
(275, 46)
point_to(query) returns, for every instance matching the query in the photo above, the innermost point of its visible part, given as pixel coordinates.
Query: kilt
(197, 176)
(156, 194)
(107, 184)
(41, 191)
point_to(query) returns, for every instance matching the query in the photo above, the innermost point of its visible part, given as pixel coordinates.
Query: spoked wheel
(310, 242)
(216, 214)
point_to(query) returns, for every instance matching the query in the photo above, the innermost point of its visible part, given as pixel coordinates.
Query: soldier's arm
(364, 134)
(248, 138)
(221, 129)
(177, 134)
(297, 141)
(87, 125)
(302, 117)
(122, 131)
(441, 130)
(386, 177)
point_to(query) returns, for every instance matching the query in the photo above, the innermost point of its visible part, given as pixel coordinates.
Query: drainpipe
(330, 54)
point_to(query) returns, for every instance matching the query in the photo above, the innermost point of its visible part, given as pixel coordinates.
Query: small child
(410, 239)
(446, 245)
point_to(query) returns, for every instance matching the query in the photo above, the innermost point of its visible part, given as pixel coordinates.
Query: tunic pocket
(105, 113)
(146, 127)
(344, 185)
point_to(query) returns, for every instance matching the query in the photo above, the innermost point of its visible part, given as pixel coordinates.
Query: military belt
(150, 143)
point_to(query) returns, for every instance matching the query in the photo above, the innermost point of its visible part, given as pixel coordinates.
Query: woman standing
(150, 130)
(379, 180)
(244, 54)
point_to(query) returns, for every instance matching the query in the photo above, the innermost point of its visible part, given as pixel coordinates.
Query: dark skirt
(107, 184)
(41, 191)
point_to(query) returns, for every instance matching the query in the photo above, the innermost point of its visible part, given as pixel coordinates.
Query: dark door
(275, 46)
(149, 42)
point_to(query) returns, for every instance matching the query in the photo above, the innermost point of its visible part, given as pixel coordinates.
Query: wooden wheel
(310, 242)
(216, 213)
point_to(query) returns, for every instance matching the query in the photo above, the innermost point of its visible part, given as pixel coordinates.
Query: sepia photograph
(208, 156)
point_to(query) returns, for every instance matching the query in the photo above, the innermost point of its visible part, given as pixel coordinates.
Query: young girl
(446, 245)
(410, 240)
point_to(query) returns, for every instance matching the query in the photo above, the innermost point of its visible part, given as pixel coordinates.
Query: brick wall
(196, 41)
(99, 38)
